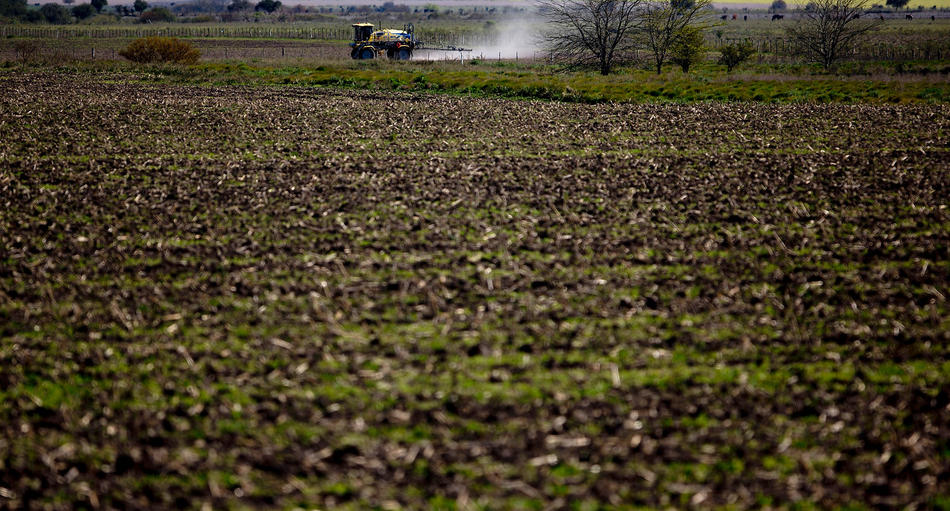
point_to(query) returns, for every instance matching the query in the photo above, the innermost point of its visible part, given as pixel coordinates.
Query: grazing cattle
(933, 18)
(882, 17)
(745, 18)
(908, 17)
(724, 16)
(733, 16)
(777, 16)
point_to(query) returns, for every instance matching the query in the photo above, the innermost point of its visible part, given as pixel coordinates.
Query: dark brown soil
(280, 297)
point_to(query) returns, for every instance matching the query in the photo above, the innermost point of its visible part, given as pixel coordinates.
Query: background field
(296, 296)
(489, 34)
(905, 61)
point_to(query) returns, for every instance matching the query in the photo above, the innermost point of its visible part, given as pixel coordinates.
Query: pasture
(272, 294)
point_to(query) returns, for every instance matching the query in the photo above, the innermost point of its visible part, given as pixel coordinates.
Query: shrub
(156, 14)
(26, 50)
(56, 14)
(735, 54)
(83, 11)
(688, 47)
(267, 5)
(13, 8)
(161, 49)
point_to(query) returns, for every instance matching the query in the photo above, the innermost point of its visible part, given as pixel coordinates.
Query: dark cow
(724, 16)
(908, 17)
(777, 16)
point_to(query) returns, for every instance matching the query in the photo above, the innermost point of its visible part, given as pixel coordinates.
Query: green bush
(156, 15)
(161, 49)
(56, 14)
(267, 5)
(687, 48)
(735, 54)
(13, 8)
(83, 11)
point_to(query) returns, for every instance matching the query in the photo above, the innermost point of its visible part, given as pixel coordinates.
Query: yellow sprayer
(395, 44)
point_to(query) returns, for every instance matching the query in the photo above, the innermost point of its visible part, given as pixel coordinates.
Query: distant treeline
(55, 14)
(19, 11)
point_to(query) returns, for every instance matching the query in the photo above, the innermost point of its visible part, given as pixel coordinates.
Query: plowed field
(279, 297)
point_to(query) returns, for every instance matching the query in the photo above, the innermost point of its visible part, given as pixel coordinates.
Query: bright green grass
(859, 82)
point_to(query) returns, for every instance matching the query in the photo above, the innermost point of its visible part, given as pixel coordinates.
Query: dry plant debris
(281, 296)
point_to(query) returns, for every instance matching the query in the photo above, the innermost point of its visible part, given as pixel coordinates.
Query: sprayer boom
(395, 44)
(422, 46)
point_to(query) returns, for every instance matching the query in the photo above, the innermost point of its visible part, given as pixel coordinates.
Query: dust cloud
(515, 38)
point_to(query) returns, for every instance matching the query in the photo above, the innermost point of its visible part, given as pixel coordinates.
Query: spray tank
(394, 44)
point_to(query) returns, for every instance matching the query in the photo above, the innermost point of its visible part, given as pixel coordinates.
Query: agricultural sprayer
(395, 44)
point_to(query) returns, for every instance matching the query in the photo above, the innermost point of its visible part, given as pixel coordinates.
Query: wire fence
(906, 48)
(914, 48)
(324, 33)
(237, 31)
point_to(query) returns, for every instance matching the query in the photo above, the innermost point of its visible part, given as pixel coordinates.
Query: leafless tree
(591, 32)
(831, 30)
(663, 21)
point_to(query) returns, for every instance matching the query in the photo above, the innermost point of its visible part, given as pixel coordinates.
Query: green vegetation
(731, 55)
(161, 50)
(760, 77)
(688, 48)
(157, 15)
(705, 83)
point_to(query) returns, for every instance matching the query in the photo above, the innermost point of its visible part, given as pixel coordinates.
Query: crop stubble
(283, 296)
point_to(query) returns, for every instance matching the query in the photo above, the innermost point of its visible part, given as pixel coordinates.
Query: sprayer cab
(362, 31)
(370, 44)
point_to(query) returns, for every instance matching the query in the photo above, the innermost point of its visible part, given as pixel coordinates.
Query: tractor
(369, 44)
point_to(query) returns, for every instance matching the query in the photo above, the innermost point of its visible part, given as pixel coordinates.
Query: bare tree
(831, 30)
(664, 20)
(591, 32)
